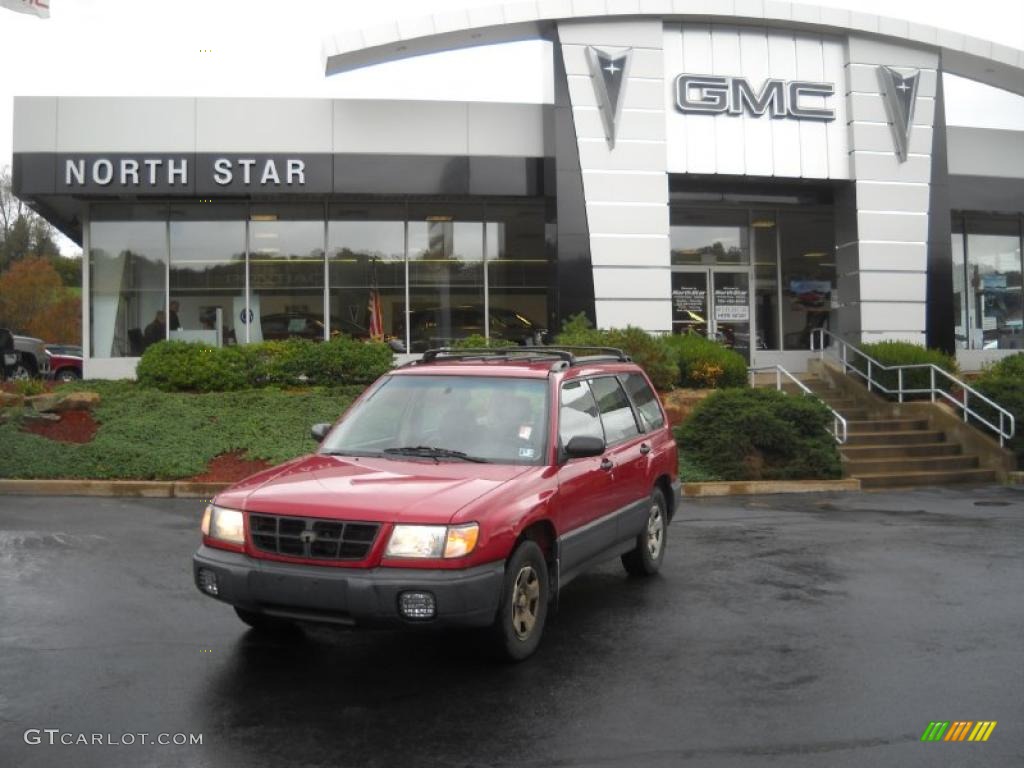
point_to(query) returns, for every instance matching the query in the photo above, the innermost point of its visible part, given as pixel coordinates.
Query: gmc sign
(719, 95)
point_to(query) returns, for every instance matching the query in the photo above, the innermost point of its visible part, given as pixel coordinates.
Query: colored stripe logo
(959, 730)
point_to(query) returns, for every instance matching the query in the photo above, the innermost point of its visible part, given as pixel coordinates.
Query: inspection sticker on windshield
(526, 453)
(525, 431)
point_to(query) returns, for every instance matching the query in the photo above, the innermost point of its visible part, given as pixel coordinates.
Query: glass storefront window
(807, 253)
(707, 237)
(207, 273)
(366, 265)
(286, 273)
(127, 279)
(519, 274)
(446, 275)
(987, 283)
(766, 279)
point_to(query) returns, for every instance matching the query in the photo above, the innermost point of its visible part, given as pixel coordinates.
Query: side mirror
(582, 446)
(319, 431)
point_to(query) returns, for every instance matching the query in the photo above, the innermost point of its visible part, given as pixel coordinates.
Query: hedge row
(689, 360)
(1004, 383)
(760, 434)
(905, 353)
(178, 366)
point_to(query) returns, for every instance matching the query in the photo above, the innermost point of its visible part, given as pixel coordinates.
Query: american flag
(376, 313)
(39, 8)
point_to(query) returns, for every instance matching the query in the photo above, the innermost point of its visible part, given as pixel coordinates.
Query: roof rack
(564, 354)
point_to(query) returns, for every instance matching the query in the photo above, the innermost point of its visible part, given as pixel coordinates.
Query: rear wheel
(645, 559)
(524, 604)
(263, 623)
(23, 370)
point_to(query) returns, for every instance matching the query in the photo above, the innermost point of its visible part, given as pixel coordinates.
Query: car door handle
(644, 449)
(606, 464)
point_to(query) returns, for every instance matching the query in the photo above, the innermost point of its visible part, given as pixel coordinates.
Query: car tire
(23, 370)
(646, 558)
(263, 623)
(67, 374)
(523, 609)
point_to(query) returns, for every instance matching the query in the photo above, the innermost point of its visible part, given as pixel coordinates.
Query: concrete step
(861, 467)
(886, 425)
(908, 437)
(853, 414)
(941, 477)
(857, 452)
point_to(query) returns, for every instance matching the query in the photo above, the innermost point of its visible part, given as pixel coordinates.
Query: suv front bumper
(350, 596)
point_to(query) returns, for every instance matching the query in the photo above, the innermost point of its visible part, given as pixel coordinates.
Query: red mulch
(230, 467)
(73, 427)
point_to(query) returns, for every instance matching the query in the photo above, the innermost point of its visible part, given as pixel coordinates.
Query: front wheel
(646, 558)
(67, 374)
(524, 604)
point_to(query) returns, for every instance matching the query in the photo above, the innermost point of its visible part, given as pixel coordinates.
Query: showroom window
(207, 273)
(413, 275)
(987, 282)
(127, 279)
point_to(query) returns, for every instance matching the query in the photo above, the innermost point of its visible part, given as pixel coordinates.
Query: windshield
(448, 418)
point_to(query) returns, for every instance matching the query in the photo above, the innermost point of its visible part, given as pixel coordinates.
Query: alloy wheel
(655, 531)
(525, 601)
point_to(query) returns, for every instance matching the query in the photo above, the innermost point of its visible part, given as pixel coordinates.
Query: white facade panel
(35, 130)
(631, 283)
(624, 187)
(810, 65)
(414, 127)
(616, 250)
(887, 316)
(729, 145)
(626, 218)
(614, 33)
(891, 196)
(909, 257)
(863, 78)
(894, 286)
(645, 62)
(116, 124)
(871, 51)
(892, 226)
(870, 107)
(653, 316)
(263, 125)
(877, 137)
(514, 130)
(758, 152)
(628, 156)
(884, 166)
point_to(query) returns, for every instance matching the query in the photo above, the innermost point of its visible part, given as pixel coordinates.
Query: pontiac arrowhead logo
(609, 72)
(900, 93)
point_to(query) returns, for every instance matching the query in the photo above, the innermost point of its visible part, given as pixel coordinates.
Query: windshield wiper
(343, 452)
(434, 453)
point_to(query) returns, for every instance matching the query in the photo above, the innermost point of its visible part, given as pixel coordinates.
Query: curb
(752, 487)
(1015, 478)
(152, 489)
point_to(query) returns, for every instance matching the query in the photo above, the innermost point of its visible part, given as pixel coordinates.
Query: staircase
(884, 450)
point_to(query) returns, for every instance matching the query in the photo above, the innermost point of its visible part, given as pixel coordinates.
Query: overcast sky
(272, 48)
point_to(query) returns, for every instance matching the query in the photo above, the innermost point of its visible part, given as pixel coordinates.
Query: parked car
(463, 490)
(440, 326)
(285, 325)
(65, 362)
(28, 359)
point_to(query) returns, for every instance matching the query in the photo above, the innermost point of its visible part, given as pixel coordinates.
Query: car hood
(372, 489)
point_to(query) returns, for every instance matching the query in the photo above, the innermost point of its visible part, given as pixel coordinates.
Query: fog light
(417, 605)
(208, 581)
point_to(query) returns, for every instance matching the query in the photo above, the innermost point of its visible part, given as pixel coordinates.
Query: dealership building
(749, 170)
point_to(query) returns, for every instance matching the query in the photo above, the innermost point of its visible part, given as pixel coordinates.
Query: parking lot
(784, 631)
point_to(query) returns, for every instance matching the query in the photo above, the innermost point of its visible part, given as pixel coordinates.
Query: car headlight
(432, 541)
(224, 524)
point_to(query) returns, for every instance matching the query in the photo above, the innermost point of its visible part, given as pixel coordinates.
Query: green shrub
(905, 353)
(177, 366)
(29, 387)
(1004, 384)
(706, 364)
(476, 341)
(754, 434)
(647, 351)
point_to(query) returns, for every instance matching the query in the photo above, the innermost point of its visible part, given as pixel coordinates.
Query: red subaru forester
(464, 489)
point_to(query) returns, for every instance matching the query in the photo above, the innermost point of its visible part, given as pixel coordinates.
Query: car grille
(312, 538)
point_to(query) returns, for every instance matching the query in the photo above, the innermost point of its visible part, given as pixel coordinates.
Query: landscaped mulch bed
(73, 427)
(230, 467)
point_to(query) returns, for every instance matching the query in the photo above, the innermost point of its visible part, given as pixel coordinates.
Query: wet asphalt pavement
(784, 631)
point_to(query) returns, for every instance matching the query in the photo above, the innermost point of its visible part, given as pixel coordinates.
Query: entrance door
(714, 303)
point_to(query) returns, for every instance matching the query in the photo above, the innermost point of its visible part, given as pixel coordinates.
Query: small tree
(33, 301)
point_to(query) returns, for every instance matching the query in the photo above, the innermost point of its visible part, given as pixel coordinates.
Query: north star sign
(721, 95)
(172, 171)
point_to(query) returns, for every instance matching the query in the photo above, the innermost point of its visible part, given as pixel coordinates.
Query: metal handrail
(842, 349)
(839, 428)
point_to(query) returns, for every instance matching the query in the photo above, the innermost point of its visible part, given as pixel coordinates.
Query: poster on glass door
(732, 304)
